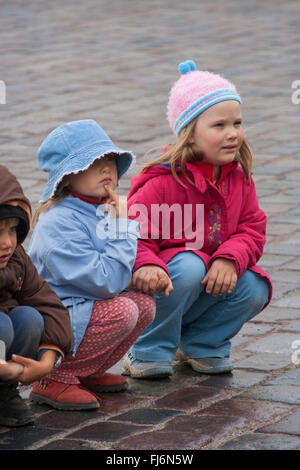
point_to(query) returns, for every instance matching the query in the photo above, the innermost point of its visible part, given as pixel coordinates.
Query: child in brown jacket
(35, 329)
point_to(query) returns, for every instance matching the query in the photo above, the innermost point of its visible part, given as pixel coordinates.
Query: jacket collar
(203, 172)
(89, 199)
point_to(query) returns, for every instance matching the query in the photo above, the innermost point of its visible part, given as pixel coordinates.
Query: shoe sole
(147, 374)
(206, 369)
(212, 370)
(62, 406)
(14, 423)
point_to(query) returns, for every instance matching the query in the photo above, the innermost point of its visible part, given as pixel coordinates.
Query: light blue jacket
(84, 255)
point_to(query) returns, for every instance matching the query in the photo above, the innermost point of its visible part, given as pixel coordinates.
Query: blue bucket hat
(73, 147)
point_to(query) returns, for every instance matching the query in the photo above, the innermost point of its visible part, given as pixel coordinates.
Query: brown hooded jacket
(20, 283)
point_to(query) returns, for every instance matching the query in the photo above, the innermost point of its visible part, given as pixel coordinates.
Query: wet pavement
(115, 62)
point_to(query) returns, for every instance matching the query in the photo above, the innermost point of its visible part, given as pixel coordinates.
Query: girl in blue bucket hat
(84, 245)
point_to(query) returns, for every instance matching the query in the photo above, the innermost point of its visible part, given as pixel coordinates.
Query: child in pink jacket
(202, 233)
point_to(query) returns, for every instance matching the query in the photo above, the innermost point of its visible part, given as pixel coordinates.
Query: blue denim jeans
(196, 322)
(21, 331)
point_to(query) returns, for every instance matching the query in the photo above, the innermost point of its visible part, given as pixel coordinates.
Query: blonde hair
(61, 193)
(183, 150)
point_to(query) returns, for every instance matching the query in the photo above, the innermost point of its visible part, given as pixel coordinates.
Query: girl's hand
(221, 277)
(151, 279)
(10, 370)
(34, 370)
(119, 203)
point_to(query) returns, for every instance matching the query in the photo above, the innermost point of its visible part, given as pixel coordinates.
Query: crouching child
(35, 329)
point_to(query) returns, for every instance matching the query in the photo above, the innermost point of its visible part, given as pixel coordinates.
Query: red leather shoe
(63, 396)
(106, 383)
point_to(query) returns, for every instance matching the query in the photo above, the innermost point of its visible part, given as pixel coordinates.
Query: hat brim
(75, 163)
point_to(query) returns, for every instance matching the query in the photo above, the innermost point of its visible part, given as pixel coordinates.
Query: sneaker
(14, 411)
(206, 365)
(106, 383)
(145, 369)
(63, 396)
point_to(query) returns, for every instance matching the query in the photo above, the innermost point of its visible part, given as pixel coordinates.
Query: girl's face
(218, 132)
(8, 240)
(91, 182)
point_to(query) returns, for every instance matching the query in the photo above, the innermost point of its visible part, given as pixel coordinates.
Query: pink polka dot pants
(114, 326)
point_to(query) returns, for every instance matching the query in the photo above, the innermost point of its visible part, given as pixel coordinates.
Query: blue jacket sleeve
(80, 269)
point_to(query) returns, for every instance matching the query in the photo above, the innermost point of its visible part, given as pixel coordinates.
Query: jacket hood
(11, 194)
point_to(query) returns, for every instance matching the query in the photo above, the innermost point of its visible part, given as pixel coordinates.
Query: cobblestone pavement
(115, 62)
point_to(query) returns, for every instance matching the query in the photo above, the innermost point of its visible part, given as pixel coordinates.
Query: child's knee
(146, 306)
(187, 271)
(27, 321)
(254, 290)
(128, 315)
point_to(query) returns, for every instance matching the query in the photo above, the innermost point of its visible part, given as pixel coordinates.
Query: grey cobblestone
(115, 62)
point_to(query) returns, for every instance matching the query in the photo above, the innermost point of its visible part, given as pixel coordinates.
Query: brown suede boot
(14, 410)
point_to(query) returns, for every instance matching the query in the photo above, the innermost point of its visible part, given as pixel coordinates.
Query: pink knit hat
(194, 92)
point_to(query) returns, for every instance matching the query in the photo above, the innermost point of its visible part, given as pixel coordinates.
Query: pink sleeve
(139, 209)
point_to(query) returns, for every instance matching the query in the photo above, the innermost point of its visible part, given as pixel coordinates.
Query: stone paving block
(108, 431)
(292, 326)
(238, 379)
(260, 441)
(68, 444)
(113, 403)
(292, 301)
(188, 398)
(283, 248)
(253, 411)
(278, 209)
(286, 219)
(145, 416)
(274, 343)
(285, 275)
(183, 376)
(19, 439)
(277, 314)
(288, 425)
(238, 340)
(264, 361)
(282, 289)
(279, 197)
(252, 328)
(292, 377)
(184, 432)
(287, 394)
(67, 419)
(272, 260)
(295, 265)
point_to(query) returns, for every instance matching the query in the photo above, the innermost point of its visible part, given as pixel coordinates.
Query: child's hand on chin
(119, 204)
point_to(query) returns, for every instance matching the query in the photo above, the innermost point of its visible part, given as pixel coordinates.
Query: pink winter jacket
(233, 225)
